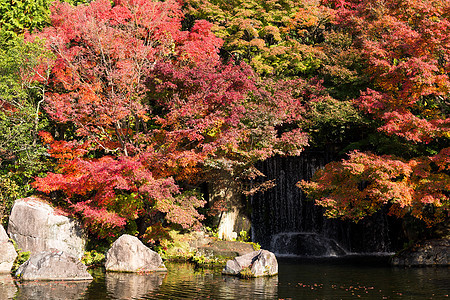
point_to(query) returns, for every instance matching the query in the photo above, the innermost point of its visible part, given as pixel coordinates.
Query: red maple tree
(152, 105)
(406, 48)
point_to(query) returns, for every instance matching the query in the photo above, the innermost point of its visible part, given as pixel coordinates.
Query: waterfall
(284, 222)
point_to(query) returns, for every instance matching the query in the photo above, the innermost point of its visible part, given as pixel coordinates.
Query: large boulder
(254, 264)
(427, 253)
(37, 227)
(7, 252)
(53, 265)
(129, 254)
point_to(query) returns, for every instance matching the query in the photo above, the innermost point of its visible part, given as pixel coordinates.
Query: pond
(334, 278)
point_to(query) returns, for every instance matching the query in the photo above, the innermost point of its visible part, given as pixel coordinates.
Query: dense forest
(118, 112)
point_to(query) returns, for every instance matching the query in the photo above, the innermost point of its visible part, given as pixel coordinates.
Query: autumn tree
(405, 44)
(295, 39)
(142, 106)
(22, 87)
(274, 37)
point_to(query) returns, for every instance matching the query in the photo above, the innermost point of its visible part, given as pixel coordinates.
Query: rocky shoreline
(51, 239)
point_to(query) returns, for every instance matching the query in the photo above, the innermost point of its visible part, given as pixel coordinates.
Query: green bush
(22, 256)
(93, 258)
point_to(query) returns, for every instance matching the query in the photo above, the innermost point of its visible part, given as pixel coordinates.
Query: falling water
(284, 222)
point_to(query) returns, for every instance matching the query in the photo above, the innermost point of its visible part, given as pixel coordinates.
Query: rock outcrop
(7, 252)
(129, 254)
(254, 264)
(427, 253)
(37, 227)
(53, 265)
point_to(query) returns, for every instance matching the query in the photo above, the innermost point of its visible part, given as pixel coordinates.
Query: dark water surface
(337, 278)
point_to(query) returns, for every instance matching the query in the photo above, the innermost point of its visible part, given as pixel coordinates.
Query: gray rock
(132, 285)
(37, 227)
(53, 265)
(7, 252)
(129, 254)
(254, 264)
(427, 253)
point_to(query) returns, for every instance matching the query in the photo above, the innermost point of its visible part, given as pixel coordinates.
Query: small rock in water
(253, 264)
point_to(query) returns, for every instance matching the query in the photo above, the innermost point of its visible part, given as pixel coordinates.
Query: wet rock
(427, 253)
(53, 265)
(254, 264)
(37, 227)
(129, 254)
(132, 285)
(7, 252)
(8, 288)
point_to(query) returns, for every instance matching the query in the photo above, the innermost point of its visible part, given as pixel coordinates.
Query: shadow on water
(350, 277)
(359, 276)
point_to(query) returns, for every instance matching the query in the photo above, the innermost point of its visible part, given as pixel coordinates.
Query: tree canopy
(137, 102)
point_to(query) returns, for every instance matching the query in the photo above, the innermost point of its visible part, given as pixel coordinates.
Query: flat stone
(129, 254)
(37, 227)
(254, 264)
(7, 252)
(225, 249)
(53, 265)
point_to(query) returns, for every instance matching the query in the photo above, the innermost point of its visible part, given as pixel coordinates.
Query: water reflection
(7, 287)
(297, 279)
(256, 288)
(51, 290)
(184, 281)
(131, 285)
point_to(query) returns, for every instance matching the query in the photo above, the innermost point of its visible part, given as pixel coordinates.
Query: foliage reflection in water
(335, 278)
